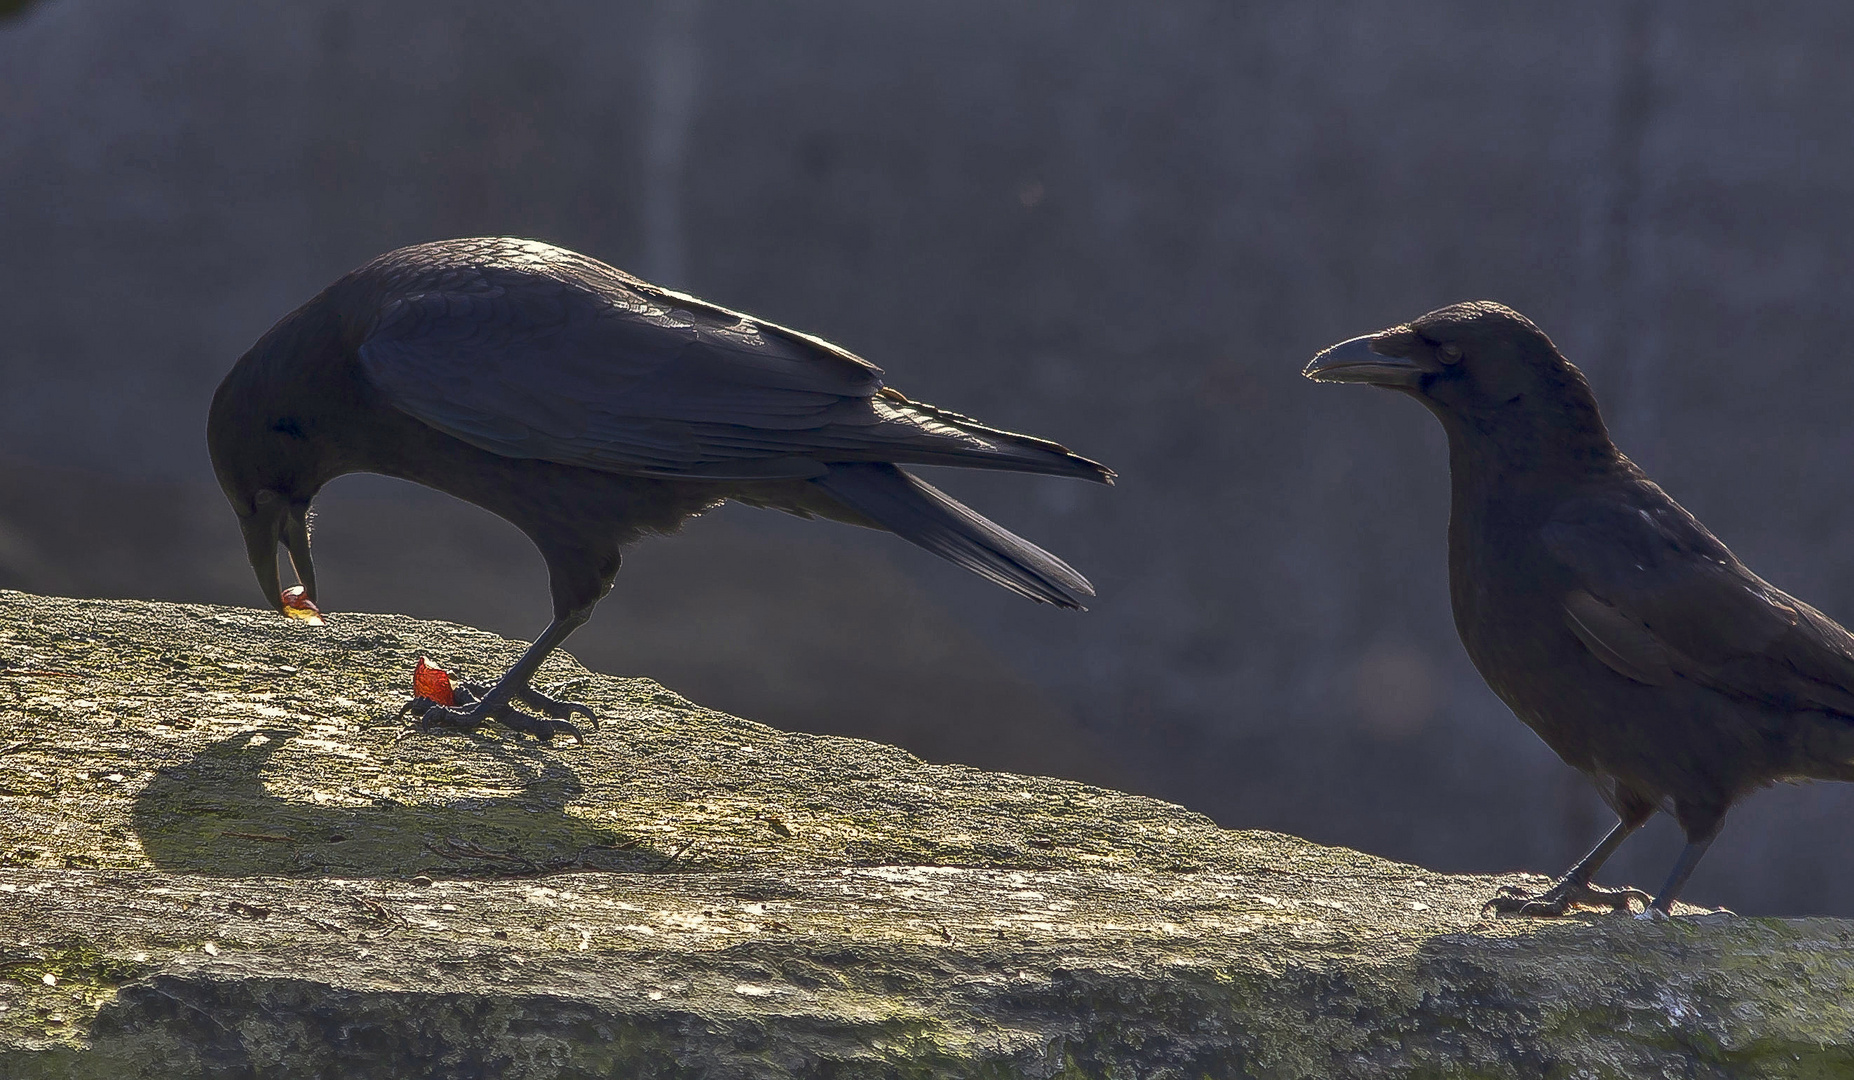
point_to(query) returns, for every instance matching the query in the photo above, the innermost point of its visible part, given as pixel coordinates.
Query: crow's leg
(1663, 905)
(1702, 827)
(1575, 887)
(497, 703)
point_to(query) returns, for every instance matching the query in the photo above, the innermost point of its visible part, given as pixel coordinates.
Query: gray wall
(1123, 226)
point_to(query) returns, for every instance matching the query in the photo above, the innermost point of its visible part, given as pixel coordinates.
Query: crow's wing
(578, 363)
(1658, 595)
(1619, 641)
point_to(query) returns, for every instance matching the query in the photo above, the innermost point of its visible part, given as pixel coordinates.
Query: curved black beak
(1353, 361)
(272, 522)
(296, 542)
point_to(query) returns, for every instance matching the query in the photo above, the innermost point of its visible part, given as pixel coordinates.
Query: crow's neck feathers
(1550, 433)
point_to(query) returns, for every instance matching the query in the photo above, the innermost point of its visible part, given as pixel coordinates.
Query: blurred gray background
(1123, 226)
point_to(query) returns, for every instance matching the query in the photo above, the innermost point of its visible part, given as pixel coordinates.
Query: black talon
(1558, 899)
(554, 707)
(542, 728)
(429, 716)
(471, 709)
(418, 707)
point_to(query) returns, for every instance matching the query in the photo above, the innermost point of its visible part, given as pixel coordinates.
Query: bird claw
(551, 707)
(429, 716)
(1560, 898)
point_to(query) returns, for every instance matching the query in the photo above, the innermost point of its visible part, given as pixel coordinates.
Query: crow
(1603, 614)
(589, 409)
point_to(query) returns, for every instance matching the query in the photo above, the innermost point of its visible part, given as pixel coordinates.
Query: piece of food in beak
(297, 605)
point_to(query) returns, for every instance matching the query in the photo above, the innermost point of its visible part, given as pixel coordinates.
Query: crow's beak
(275, 521)
(1354, 362)
(263, 529)
(296, 541)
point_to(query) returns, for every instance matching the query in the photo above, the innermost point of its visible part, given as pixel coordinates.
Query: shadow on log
(213, 815)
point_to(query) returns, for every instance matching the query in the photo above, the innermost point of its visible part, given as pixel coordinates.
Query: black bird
(590, 408)
(1605, 616)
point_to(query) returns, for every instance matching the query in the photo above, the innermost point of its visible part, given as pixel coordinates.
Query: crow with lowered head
(589, 408)
(1601, 612)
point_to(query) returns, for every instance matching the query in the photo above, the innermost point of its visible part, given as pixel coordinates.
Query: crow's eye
(1450, 353)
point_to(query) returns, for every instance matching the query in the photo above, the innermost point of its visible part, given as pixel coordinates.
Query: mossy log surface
(225, 857)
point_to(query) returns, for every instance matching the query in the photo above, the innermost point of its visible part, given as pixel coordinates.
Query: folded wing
(1660, 596)
(577, 363)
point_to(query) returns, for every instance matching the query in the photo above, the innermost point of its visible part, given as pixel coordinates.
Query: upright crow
(589, 408)
(1607, 618)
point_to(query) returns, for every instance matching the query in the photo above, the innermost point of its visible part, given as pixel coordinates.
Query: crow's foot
(1559, 899)
(547, 706)
(428, 715)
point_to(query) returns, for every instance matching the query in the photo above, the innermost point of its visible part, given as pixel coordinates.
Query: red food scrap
(297, 605)
(433, 683)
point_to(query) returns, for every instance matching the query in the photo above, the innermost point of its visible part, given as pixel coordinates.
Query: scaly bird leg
(1575, 887)
(1663, 905)
(497, 702)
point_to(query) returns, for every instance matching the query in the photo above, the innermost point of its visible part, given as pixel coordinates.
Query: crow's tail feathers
(939, 437)
(918, 512)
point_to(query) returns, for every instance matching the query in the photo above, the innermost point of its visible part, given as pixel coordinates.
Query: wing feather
(533, 352)
(1659, 595)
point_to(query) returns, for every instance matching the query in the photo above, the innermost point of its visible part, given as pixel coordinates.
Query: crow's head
(270, 464)
(1483, 369)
